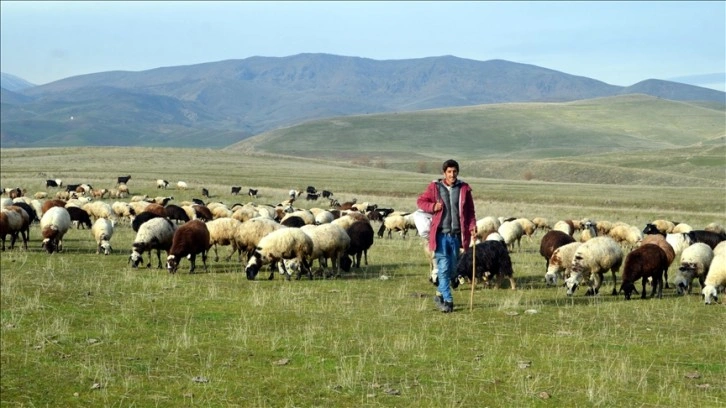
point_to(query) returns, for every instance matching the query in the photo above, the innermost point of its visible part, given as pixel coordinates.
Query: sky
(620, 43)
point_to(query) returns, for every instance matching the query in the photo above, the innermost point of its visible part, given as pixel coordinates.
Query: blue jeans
(446, 256)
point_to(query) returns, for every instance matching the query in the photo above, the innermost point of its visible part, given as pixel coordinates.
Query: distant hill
(220, 103)
(13, 83)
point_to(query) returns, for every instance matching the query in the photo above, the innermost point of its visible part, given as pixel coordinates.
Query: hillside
(217, 104)
(602, 140)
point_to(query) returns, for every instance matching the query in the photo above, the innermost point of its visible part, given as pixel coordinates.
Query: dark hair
(450, 163)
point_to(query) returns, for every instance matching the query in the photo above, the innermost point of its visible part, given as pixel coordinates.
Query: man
(452, 226)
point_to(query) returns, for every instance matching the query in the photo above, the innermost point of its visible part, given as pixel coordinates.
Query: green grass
(371, 338)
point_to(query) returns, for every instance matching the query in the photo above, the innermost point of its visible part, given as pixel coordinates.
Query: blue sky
(620, 43)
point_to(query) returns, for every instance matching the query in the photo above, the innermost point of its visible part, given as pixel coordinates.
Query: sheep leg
(643, 295)
(216, 255)
(204, 260)
(192, 261)
(615, 290)
(512, 283)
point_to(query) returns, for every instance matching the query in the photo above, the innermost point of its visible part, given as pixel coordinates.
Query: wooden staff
(473, 276)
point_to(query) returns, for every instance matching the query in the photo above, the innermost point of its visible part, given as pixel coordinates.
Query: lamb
(528, 227)
(644, 262)
(492, 260)
(330, 241)
(54, 224)
(282, 244)
(695, 261)
(222, 231)
(394, 222)
(715, 281)
(158, 234)
(512, 232)
(102, 231)
(250, 232)
(361, 240)
(560, 261)
(189, 240)
(591, 260)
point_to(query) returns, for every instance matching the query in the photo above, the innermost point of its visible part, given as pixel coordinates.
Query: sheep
(330, 241)
(163, 201)
(79, 216)
(11, 223)
(512, 232)
(245, 212)
(715, 227)
(40, 195)
(565, 226)
(121, 209)
(305, 215)
(32, 213)
(720, 249)
(54, 224)
(122, 189)
(663, 226)
(710, 238)
(361, 240)
(99, 193)
(189, 240)
(295, 222)
(560, 261)
(644, 262)
(492, 260)
(99, 209)
(324, 217)
(140, 219)
(102, 231)
(679, 242)
(137, 198)
(158, 234)
(588, 231)
(660, 240)
(603, 227)
(715, 281)
(137, 207)
(161, 183)
(541, 223)
(486, 226)
(282, 244)
(626, 234)
(123, 179)
(591, 260)
(176, 213)
(695, 261)
(395, 222)
(681, 227)
(222, 231)
(528, 227)
(181, 185)
(48, 204)
(54, 183)
(250, 232)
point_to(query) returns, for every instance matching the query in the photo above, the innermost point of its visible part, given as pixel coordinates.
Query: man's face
(450, 175)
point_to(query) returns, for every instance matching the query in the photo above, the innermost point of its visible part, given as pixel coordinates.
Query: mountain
(13, 83)
(220, 103)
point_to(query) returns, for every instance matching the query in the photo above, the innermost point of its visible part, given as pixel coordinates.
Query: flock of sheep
(290, 239)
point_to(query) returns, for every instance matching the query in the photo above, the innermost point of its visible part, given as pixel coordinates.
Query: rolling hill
(220, 103)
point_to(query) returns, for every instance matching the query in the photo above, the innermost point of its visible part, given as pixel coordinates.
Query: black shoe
(439, 301)
(448, 307)
(455, 282)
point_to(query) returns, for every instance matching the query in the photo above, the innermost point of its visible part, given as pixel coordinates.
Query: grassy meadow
(86, 330)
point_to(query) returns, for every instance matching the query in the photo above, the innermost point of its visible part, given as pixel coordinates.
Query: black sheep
(176, 213)
(142, 218)
(492, 260)
(646, 261)
(80, 216)
(709, 238)
(361, 239)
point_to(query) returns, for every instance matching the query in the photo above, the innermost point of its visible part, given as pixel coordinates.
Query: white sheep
(715, 227)
(695, 261)
(486, 226)
(161, 183)
(282, 244)
(219, 210)
(222, 231)
(324, 217)
(560, 262)
(565, 226)
(54, 224)
(11, 222)
(542, 223)
(591, 260)
(250, 232)
(138, 206)
(627, 234)
(157, 233)
(720, 249)
(715, 281)
(122, 209)
(330, 241)
(528, 227)
(397, 222)
(305, 215)
(100, 209)
(682, 227)
(102, 231)
(181, 185)
(679, 242)
(512, 232)
(245, 212)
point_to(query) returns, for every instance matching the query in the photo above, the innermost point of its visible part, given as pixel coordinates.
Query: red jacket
(467, 214)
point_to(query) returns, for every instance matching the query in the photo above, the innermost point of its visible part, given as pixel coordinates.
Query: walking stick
(473, 276)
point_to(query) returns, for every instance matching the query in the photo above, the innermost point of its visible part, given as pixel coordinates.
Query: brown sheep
(552, 240)
(190, 239)
(646, 261)
(47, 205)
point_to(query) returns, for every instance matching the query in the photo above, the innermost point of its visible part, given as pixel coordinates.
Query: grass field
(80, 329)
